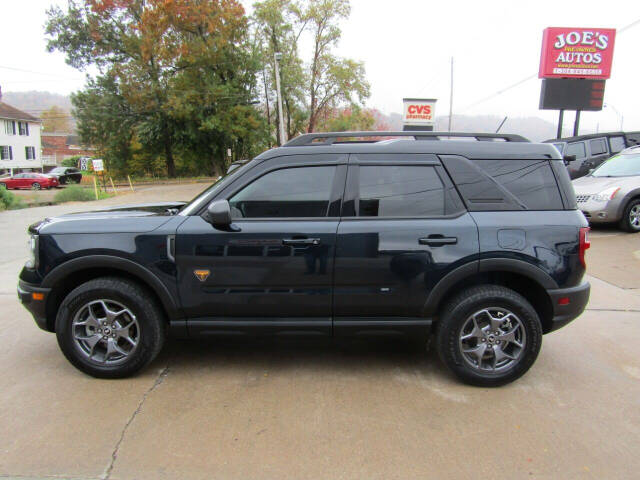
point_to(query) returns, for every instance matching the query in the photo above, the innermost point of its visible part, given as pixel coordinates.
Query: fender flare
(520, 267)
(87, 262)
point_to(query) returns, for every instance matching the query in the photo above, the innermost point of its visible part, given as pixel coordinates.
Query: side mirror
(219, 213)
(569, 158)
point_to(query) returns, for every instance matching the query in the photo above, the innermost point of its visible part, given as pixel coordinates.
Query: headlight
(32, 262)
(606, 195)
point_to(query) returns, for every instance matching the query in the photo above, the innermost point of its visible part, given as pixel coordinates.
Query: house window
(30, 153)
(23, 128)
(6, 152)
(9, 127)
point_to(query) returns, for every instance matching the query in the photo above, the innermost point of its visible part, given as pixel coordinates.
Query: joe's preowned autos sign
(577, 52)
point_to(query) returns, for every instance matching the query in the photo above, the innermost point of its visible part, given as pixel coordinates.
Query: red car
(35, 181)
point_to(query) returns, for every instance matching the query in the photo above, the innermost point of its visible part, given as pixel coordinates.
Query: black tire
(35, 186)
(149, 316)
(626, 220)
(456, 314)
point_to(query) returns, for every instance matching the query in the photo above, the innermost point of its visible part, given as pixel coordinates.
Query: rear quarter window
(488, 185)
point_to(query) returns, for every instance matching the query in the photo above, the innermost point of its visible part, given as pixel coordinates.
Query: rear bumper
(568, 304)
(37, 308)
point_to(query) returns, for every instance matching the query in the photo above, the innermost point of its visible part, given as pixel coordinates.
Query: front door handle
(301, 241)
(438, 240)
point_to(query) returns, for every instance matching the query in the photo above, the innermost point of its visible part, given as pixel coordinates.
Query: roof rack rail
(331, 137)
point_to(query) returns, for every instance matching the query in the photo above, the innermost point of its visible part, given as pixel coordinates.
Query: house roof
(7, 111)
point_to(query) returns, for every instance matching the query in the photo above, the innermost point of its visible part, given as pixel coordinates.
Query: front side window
(286, 193)
(400, 191)
(598, 146)
(576, 149)
(617, 144)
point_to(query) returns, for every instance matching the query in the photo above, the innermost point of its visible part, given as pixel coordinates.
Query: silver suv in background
(611, 192)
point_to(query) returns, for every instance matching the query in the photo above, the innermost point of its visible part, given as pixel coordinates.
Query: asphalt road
(273, 410)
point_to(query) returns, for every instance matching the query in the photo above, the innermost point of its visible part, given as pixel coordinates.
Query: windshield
(619, 166)
(57, 170)
(222, 182)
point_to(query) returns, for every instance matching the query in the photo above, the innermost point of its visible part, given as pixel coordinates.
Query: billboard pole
(576, 125)
(451, 96)
(560, 122)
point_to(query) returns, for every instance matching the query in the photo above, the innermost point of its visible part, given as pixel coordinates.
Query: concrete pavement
(283, 410)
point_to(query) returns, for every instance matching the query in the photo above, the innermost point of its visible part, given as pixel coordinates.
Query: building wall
(18, 143)
(54, 146)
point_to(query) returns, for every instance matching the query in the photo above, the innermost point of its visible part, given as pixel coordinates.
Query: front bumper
(568, 304)
(35, 306)
(600, 212)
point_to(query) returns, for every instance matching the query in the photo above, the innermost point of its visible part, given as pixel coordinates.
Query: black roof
(518, 148)
(589, 136)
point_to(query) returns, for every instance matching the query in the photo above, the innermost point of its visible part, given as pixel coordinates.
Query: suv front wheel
(110, 328)
(488, 335)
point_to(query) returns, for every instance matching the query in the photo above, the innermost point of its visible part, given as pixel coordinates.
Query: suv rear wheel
(110, 328)
(488, 335)
(630, 221)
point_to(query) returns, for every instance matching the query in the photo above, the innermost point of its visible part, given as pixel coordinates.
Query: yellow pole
(113, 186)
(95, 187)
(130, 184)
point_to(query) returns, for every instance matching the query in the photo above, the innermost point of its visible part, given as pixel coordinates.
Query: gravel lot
(278, 410)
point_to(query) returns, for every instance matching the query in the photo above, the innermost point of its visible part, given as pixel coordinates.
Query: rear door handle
(438, 240)
(300, 241)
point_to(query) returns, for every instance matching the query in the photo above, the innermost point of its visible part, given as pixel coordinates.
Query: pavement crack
(114, 455)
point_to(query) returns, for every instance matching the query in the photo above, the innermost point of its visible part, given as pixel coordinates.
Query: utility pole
(281, 137)
(451, 97)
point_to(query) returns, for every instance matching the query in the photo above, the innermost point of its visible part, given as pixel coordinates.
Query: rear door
(403, 229)
(274, 267)
(599, 152)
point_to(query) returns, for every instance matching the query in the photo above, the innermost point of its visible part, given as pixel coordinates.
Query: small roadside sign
(98, 166)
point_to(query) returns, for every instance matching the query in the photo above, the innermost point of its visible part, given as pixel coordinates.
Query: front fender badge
(201, 275)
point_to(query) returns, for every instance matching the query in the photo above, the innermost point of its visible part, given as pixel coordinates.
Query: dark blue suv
(472, 238)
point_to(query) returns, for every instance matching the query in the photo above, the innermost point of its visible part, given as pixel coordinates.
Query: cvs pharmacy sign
(419, 111)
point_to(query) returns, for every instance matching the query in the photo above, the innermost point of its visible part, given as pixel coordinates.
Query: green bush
(71, 161)
(8, 201)
(76, 193)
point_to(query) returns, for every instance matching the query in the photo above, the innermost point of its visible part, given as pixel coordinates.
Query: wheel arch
(526, 279)
(64, 278)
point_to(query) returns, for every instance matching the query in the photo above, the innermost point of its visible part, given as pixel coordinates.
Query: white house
(19, 140)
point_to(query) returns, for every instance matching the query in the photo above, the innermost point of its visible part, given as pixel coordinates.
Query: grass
(8, 201)
(76, 193)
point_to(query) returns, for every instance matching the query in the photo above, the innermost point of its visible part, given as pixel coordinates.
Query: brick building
(57, 147)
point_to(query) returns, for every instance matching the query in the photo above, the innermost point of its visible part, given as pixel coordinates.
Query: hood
(121, 219)
(592, 185)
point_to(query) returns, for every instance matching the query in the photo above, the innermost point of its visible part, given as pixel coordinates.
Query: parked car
(586, 152)
(35, 181)
(67, 175)
(611, 192)
(329, 237)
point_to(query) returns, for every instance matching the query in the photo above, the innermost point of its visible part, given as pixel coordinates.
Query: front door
(274, 267)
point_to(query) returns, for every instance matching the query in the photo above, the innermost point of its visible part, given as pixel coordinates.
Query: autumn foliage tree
(177, 77)
(56, 120)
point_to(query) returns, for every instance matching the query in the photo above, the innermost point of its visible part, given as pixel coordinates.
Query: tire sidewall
(626, 220)
(451, 327)
(148, 321)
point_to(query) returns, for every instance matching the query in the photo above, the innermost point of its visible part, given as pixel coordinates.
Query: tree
(56, 120)
(171, 74)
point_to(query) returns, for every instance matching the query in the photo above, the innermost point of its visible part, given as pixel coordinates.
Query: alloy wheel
(634, 217)
(492, 340)
(106, 332)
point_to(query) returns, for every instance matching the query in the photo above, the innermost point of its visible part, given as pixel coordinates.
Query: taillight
(584, 244)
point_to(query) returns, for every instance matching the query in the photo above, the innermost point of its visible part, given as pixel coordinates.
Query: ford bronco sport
(478, 243)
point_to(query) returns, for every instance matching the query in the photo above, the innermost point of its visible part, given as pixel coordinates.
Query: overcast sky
(406, 46)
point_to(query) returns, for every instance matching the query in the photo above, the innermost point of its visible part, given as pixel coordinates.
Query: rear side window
(400, 191)
(617, 144)
(577, 149)
(505, 184)
(598, 146)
